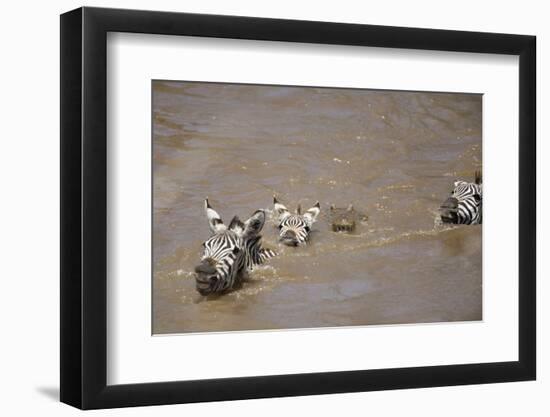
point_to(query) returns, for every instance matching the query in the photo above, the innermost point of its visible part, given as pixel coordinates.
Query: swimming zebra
(294, 228)
(464, 204)
(230, 252)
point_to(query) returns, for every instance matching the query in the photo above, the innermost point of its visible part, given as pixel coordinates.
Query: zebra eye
(236, 250)
(280, 226)
(204, 244)
(307, 229)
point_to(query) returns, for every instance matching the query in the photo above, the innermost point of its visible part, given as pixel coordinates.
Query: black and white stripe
(294, 229)
(464, 206)
(255, 254)
(230, 252)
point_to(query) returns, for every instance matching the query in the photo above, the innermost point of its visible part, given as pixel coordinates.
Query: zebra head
(464, 205)
(294, 229)
(229, 251)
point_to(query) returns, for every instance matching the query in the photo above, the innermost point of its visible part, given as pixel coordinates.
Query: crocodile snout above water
(345, 219)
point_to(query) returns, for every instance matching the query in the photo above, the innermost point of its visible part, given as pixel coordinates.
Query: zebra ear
(214, 219)
(236, 225)
(254, 224)
(312, 213)
(477, 177)
(279, 210)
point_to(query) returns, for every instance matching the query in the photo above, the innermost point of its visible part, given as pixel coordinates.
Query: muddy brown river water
(394, 155)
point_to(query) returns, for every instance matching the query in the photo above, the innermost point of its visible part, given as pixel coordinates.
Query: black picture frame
(84, 207)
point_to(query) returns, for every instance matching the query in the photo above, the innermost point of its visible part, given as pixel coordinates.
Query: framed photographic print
(257, 208)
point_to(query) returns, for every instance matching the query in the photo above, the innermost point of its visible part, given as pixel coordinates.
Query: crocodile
(345, 219)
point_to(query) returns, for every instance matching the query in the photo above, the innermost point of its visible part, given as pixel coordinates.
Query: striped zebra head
(229, 251)
(464, 205)
(294, 229)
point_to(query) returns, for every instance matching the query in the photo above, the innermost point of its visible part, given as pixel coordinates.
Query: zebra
(464, 204)
(230, 252)
(294, 229)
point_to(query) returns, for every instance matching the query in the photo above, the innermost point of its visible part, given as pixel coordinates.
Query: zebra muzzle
(449, 210)
(206, 277)
(289, 238)
(206, 267)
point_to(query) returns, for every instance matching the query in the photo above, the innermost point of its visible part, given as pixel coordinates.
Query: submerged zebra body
(464, 206)
(230, 252)
(294, 229)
